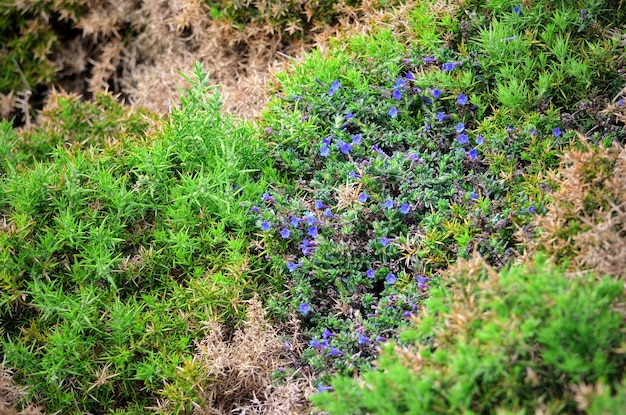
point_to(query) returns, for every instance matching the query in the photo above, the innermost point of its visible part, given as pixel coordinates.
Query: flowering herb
(400, 83)
(532, 209)
(462, 99)
(334, 351)
(255, 209)
(348, 116)
(292, 266)
(388, 204)
(393, 112)
(334, 87)
(557, 132)
(267, 198)
(436, 93)
(312, 231)
(405, 208)
(370, 273)
(363, 197)
(353, 175)
(428, 60)
(472, 154)
(391, 278)
(409, 75)
(304, 308)
(460, 127)
(449, 66)
(265, 225)
(421, 280)
(325, 150)
(295, 222)
(329, 214)
(356, 139)
(480, 139)
(285, 233)
(384, 241)
(328, 140)
(462, 139)
(441, 116)
(344, 147)
(414, 157)
(396, 94)
(517, 10)
(320, 205)
(307, 247)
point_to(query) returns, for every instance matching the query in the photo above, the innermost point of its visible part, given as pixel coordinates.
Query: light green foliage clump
(117, 245)
(527, 339)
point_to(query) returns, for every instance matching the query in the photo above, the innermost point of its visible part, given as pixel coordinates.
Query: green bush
(523, 340)
(117, 245)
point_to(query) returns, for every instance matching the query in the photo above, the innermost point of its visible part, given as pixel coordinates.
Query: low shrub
(525, 340)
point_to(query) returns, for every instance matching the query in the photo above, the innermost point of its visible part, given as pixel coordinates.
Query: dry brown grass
(240, 369)
(11, 395)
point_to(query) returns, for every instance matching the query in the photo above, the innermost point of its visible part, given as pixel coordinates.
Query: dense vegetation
(430, 213)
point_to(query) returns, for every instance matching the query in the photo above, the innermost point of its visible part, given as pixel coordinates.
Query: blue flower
(393, 112)
(363, 197)
(384, 241)
(265, 225)
(328, 139)
(407, 314)
(388, 204)
(421, 281)
(325, 151)
(517, 10)
(436, 93)
(557, 132)
(317, 344)
(304, 308)
(356, 139)
(292, 266)
(334, 87)
(441, 116)
(353, 175)
(427, 101)
(362, 339)
(463, 139)
(307, 247)
(391, 278)
(462, 99)
(620, 103)
(319, 204)
(429, 59)
(348, 116)
(400, 83)
(344, 147)
(460, 127)
(334, 352)
(329, 214)
(480, 139)
(321, 388)
(405, 208)
(370, 273)
(295, 222)
(312, 231)
(472, 154)
(413, 157)
(285, 233)
(532, 209)
(310, 218)
(448, 66)
(474, 196)
(396, 94)
(409, 76)
(267, 198)
(255, 209)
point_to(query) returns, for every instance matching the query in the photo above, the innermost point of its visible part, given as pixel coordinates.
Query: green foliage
(117, 244)
(513, 343)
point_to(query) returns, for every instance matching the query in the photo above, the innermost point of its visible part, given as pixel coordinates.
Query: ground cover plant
(411, 149)
(445, 131)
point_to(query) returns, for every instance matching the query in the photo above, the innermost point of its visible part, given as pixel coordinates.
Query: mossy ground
(442, 189)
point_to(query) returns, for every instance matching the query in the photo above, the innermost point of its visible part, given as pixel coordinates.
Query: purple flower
(427, 101)
(400, 83)
(353, 175)
(390, 279)
(407, 314)
(409, 76)
(472, 154)
(396, 94)
(334, 352)
(304, 308)
(307, 247)
(348, 116)
(285, 233)
(329, 214)
(421, 280)
(428, 60)
(474, 196)
(460, 127)
(441, 116)
(480, 139)
(363, 197)
(328, 139)
(326, 334)
(321, 388)
(393, 112)
(462, 139)
(265, 225)
(426, 127)
(462, 99)
(267, 198)
(344, 147)
(405, 208)
(413, 157)
(384, 241)
(436, 93)
(388, 204)
(310, 218)
(620, 103)
(295, 222)
(312, 231)
(370, 273)
(325, 150)
(255, 209)
(362, 339)
(334, 87)
(319, 204)
(557, 132)
(517, 10)
(292, 266)
(356, 139)
(532, 209)
(317, 344)
(268, 130)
